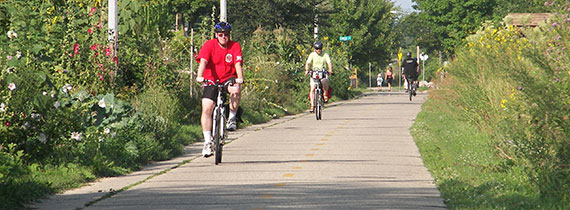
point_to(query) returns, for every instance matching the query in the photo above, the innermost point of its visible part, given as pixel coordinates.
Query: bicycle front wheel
(317, 104)
(218, 132)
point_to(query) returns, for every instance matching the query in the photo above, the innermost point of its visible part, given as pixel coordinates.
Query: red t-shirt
(221, 62)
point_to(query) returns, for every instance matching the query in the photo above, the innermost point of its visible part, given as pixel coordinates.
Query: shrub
(513, 84)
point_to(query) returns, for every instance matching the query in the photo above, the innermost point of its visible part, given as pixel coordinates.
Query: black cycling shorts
(211, 92)
(411, 77)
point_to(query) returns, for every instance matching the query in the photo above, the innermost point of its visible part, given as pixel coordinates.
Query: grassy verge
(466, 165)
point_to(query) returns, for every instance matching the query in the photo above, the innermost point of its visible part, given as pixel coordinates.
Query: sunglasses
(223, 34)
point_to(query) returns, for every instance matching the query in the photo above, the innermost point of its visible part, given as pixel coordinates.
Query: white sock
(232, 114)
(207, 136)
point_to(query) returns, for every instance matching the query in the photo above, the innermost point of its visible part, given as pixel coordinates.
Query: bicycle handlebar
(208, 82)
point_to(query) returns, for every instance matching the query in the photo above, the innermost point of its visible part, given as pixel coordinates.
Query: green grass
(466, 166)
(40, 182)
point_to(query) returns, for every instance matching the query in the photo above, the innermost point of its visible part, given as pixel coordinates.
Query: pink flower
(554, 24)
(116, 60)
(107, 51)
(101, 66)
(100, 77)
(92, 11)
(94, 47)
(89, 31)
(99, 25)
(7, 123)
(9, 57)
(75, 48)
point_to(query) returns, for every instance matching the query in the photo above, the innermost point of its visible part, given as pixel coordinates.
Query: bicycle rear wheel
(410, 91)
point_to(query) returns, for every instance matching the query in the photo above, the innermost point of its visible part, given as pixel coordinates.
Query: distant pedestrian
(380, 80)
(389, 76)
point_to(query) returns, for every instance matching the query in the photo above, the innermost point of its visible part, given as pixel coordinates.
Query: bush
(513, 84)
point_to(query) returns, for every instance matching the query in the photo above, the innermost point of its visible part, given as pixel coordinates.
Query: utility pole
(113, 25)
(223, 11)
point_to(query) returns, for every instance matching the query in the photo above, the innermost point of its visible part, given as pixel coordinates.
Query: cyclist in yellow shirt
(317, 61)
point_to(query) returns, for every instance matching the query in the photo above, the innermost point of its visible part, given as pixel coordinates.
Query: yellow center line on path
(297, 167)
(315, 149)
(310, 155)
(324, 139)
(266, 196)
(288, 175)
(280, 185)
(320, 144)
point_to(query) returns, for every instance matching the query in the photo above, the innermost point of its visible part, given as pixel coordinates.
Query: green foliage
(452, 21)
(296, 15)
(512, 84)
(442, 25)
(369, 23)
(467, 169)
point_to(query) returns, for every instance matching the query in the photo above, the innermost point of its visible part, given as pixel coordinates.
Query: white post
(423, 70)
(369, 74)
(191, 62)
(316, 27)
(113, 24)
(223, 11)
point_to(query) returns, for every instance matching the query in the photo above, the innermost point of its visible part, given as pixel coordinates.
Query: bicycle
(219, 118)
(318, 104)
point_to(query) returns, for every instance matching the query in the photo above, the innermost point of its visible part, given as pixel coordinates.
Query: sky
(406, 5)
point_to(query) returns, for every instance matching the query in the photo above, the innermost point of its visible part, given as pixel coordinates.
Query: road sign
(399, 57)
(345, 38)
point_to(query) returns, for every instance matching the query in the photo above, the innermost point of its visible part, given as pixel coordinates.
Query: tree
(453, 20)
(410, 30)
(248, 15)
(369, 22)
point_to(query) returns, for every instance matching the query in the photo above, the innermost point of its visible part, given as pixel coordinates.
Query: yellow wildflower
(503, 102)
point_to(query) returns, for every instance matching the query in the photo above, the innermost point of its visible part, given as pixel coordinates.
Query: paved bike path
(360, 156)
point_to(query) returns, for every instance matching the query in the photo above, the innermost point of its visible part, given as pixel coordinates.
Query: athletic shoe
(207, 150)
(232, 124)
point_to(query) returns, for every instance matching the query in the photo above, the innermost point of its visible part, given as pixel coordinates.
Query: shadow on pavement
(277, 195)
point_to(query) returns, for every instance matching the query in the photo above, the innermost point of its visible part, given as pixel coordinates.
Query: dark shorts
(211, 92)
(389, 80)
(411, 77)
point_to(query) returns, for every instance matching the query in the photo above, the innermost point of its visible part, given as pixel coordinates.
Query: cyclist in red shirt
(220, 59)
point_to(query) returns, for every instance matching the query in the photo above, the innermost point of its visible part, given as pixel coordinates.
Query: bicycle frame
(318, 74)
(219, 120)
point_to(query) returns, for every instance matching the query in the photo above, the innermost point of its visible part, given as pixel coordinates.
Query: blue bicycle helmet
(222, 27)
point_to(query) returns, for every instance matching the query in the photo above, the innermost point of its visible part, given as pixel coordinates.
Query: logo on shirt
(228, 58)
